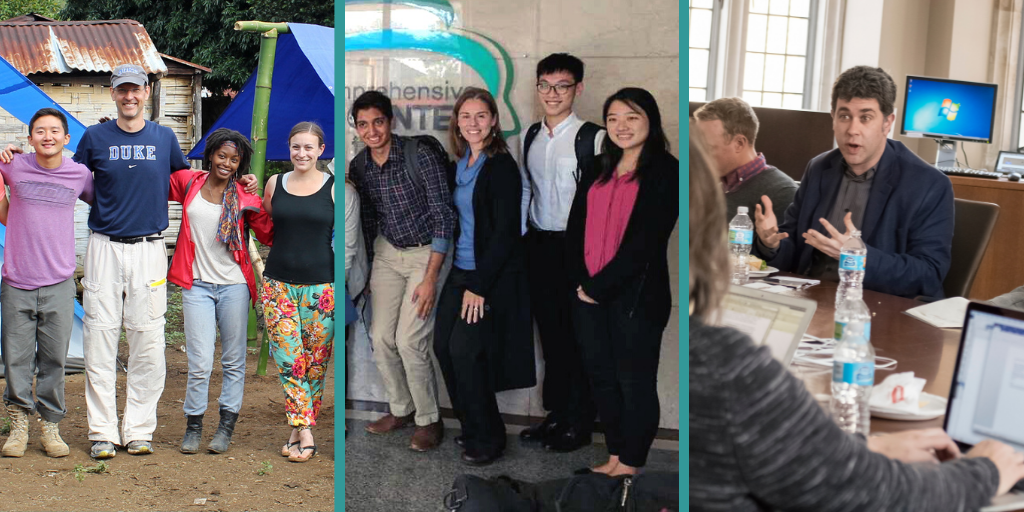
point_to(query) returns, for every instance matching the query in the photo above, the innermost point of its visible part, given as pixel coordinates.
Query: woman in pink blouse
(622, 217)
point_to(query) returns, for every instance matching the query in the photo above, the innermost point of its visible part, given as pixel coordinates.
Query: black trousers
(462, 356)
(566, 392)
(621, 349)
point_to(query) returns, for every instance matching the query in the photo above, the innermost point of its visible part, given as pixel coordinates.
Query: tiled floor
(383, 475)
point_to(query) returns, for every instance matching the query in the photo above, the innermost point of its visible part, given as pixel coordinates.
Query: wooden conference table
(928, 351)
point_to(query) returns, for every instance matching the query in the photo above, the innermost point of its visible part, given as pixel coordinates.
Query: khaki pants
(124, 283)
(401, 339)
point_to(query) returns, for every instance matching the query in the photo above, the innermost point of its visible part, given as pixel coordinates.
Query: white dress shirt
(552, 160)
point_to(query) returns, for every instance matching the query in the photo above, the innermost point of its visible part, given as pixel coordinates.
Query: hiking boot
(193, 434)
(388, 423)
(52, 443)
(427, 437)
(222, 438)
(17, 440)
(140, 447)
(102, 450)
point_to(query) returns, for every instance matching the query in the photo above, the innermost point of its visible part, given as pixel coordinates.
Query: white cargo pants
(124, 284)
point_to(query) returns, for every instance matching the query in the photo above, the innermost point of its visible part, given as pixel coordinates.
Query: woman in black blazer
(620, 223)
(483, 335)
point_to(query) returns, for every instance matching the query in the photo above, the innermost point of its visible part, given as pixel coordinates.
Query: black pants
(621, 352)
(462, 356)
(566, 392)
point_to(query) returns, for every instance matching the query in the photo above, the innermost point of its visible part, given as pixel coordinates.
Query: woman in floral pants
(298, 285)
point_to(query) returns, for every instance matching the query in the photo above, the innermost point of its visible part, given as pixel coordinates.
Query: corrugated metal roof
(67, 46)
(186, 63)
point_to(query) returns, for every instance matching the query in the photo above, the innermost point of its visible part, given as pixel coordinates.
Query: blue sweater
(908, 223)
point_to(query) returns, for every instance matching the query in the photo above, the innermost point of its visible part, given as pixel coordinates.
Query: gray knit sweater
(759, 442)
(771, 182)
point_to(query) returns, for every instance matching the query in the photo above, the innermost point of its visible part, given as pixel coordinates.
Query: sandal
(286, 450)
(303, 449)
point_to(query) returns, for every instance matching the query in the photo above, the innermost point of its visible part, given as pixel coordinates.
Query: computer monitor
(948, 109)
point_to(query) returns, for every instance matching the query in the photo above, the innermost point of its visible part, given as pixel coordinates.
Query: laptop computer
(988, 387)
(771, 319)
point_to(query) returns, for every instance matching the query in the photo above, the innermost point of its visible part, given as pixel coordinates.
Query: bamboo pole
(260, 114)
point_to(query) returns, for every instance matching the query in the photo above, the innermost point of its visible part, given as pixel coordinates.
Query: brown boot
(388, 423)
(52, 443)
(17, 440)
(427, 437)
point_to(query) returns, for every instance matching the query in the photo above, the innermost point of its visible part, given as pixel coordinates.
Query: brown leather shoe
(428, 437)
(389, 422)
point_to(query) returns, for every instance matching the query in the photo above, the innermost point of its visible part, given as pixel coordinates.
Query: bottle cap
(741, 209)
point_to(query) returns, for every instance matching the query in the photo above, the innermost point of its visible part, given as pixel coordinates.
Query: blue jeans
(206, 307)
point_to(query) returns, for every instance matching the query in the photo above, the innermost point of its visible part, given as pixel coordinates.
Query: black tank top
(303, 225)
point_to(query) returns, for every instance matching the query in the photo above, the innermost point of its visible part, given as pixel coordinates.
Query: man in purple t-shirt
(36, 295)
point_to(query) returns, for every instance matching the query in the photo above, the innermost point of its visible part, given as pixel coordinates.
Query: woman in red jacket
(211, 263)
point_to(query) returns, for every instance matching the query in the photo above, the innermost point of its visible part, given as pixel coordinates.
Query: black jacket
(637, 276)
(500, 275)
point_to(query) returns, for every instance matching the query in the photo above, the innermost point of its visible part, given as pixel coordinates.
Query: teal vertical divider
(339, 261)
(684, 262)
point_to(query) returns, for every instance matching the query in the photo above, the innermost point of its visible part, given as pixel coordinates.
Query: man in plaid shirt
(410, 229)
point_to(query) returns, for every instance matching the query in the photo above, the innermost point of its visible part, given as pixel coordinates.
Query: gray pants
(35, 330)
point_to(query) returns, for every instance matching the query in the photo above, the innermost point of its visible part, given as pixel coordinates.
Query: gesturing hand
(766, 225)
(831, 246)
(472, 307)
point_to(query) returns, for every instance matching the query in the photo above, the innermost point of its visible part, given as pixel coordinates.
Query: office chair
(973, 225)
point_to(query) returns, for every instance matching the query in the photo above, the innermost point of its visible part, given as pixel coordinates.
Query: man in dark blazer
(902, 205)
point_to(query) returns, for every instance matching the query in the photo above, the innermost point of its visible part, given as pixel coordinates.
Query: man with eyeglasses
(556, 151)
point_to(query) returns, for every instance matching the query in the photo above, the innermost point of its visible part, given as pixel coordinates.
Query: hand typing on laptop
(1009, 462)
(927, 445)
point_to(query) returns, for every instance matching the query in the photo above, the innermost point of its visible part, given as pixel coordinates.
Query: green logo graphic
(470, 47)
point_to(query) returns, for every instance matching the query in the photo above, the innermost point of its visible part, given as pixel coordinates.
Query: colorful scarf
(230, 231)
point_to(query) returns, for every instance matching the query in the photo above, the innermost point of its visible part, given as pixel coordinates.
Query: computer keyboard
(971, 173)
(1018, 487)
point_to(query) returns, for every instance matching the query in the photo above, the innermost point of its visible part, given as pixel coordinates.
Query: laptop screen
(988, 387)
(774, 324)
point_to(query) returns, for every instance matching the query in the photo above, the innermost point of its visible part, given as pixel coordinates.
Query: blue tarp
(302, 90)
(21, 97)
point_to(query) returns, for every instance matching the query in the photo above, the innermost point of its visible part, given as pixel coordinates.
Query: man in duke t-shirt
(126, 264)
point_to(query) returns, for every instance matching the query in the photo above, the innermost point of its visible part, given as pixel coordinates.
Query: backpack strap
(359, 166)
(412, 163)
(531, 133)
(585, 146)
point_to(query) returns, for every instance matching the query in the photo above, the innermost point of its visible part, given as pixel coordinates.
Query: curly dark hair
(221, 136)
(868, 83)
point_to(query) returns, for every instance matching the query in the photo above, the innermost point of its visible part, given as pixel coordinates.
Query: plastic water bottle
(852, 309)
(852, 258)
(853, 375)
(741, 237)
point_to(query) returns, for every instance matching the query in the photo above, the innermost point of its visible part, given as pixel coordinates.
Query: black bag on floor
(647, 492)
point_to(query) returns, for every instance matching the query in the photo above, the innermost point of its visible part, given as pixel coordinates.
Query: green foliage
(5, 426)
(14, 8)
(265, 468)
(81, 470)
(201, 31)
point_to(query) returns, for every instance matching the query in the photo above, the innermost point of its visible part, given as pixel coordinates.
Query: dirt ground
(252, 475)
